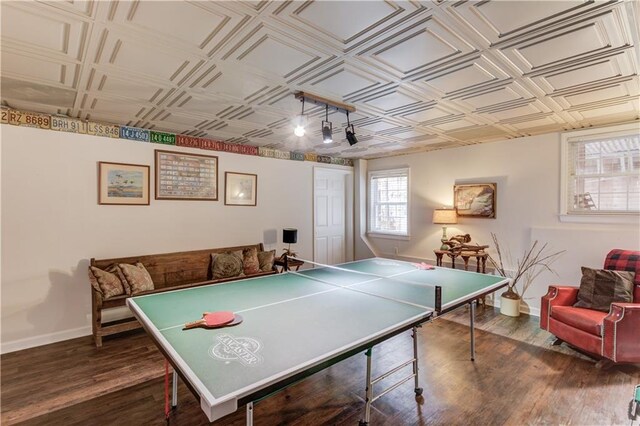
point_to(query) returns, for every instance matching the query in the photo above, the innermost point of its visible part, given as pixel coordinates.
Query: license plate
(66, 124)
(29, 119)
(103, 130)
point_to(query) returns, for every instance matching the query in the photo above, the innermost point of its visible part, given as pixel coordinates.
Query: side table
(481, 259)
(293, 262)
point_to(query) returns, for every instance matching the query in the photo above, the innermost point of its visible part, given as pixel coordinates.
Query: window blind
(603, 175)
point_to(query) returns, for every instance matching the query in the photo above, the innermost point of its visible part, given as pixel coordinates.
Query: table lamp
(289, 236)
(445, 217)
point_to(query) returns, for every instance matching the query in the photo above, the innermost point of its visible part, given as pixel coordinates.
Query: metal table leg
(472, 314)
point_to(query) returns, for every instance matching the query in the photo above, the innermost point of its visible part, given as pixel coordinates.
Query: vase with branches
(535, 260)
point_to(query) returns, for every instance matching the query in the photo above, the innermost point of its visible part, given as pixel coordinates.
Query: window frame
(566, 139)
(382, 173)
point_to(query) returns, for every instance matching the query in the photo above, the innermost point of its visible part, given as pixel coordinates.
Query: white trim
(44, 339)
(388, 236)
(623, 218)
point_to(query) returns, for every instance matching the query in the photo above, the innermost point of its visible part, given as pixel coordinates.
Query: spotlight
(350, 132)
(351, 135)
(301, 121)
(327, 128)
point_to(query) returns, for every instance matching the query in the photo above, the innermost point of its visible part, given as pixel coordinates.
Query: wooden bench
(169, 271)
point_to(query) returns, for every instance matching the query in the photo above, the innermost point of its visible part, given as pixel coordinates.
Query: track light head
(300, 123)
(327, 131)
(351, 135)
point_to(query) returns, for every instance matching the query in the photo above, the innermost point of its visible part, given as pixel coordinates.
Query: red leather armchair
(615, 335)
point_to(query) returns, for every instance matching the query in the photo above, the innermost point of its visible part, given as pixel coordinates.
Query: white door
(330, 215)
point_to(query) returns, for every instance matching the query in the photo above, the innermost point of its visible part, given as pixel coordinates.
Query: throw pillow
(250, 262)
(266, 259)
(136, 276)
(226, 265)
(106, 282)
(600, 287)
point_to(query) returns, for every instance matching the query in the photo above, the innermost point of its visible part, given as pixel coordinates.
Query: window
(601, 172)
(389, 202)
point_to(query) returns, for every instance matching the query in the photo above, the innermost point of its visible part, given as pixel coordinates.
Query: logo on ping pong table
(242, 349)
(385, 263)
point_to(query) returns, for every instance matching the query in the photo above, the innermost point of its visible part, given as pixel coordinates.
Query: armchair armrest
(620, 337)
(557, 295)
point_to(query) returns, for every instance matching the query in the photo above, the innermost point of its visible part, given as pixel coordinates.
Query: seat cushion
(588, 320)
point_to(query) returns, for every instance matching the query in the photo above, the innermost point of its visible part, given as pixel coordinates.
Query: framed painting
(241, 189)
(183, 176)
(475, 200)
(125, 184)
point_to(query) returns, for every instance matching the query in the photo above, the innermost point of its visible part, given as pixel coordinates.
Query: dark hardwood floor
(518, 378)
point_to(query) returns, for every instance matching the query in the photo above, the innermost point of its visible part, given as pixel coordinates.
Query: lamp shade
(289, 235)
(445, 216)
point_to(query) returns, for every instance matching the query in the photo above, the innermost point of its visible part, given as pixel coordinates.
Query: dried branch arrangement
(536, 260)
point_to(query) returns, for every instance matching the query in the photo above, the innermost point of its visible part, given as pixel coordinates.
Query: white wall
(527, 172)
(52, 224)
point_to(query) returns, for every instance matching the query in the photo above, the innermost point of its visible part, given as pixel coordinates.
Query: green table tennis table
(298, 323)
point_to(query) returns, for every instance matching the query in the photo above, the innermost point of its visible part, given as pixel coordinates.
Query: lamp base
(289, 253)
(443, 239)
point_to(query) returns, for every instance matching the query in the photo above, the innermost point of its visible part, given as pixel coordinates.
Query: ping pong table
(298, 323)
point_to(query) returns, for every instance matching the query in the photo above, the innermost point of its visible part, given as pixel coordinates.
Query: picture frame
(123, 184)
(475, 200)
(185, 176)
(241, 189)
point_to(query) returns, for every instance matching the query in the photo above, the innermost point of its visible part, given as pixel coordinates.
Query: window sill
(603, 218)
(388, 236)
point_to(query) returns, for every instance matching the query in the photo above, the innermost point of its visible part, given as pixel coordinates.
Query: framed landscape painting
(241, 189)
(125, 184)
(475, 200)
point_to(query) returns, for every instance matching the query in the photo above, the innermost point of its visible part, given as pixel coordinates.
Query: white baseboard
(44, 339)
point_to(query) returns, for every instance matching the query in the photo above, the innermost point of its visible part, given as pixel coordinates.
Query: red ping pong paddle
(212, 320)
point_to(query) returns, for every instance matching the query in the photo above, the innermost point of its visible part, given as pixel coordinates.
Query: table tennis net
(391, 287)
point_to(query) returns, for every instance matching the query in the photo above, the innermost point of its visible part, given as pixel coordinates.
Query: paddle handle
(194, 324)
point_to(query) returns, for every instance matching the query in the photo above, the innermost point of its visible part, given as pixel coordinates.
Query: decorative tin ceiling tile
(422, 75)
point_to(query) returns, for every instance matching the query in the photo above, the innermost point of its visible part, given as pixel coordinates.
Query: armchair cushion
(583, 319)
(625, 260)
(599, 288)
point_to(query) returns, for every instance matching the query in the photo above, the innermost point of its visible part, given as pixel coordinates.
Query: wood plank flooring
(518, 378)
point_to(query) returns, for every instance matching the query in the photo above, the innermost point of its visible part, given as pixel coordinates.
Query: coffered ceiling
(422, 74)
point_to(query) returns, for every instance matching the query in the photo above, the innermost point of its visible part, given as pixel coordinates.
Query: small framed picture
(475, 200)
(241, 189)
(124, 184)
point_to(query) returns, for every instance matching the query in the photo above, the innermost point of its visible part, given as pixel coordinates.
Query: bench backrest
(174, 269)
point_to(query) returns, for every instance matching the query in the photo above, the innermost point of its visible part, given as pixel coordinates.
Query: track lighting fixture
(350, 132)
(300, 123)
(327, 128)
